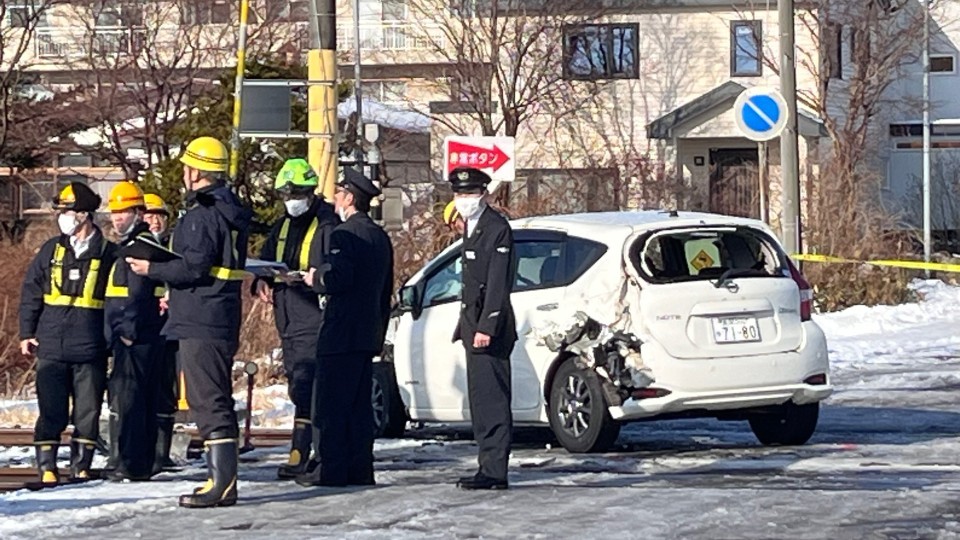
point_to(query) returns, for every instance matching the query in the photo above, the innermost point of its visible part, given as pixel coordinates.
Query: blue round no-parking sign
(760, 113)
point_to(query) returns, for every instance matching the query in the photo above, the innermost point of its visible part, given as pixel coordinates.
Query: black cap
(358, 184)
(84, 199)
(468, 180)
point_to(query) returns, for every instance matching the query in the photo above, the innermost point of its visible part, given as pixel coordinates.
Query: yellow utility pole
(322, 151)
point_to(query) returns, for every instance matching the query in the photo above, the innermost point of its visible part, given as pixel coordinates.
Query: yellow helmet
(155, 204)
(450, 213)
(78, 197)
(125, 195)
(206, 154)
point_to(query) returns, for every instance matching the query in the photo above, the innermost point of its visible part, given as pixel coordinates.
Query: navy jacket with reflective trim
(297, 307)
(211, 235)
(135, 316)
(66, 333)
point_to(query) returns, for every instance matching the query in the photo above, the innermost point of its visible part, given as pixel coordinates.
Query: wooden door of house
(734, 182)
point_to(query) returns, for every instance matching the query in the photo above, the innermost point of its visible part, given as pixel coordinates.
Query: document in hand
(269, 269)
(146, 249)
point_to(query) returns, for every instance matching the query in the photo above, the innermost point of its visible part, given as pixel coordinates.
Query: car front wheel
(788, 425)
(578, 411)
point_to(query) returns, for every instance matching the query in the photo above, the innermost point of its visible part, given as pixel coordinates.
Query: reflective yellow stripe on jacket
(57, 298)
(304, 246)
(119, 291)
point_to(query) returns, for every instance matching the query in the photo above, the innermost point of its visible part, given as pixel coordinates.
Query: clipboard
(146, 249)
(271, 269)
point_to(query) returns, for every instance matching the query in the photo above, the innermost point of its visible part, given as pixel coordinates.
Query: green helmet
(296, 175)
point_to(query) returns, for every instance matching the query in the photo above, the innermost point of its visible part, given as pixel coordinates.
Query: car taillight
(806, 291)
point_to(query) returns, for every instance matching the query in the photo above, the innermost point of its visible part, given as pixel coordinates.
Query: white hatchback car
(623, 316)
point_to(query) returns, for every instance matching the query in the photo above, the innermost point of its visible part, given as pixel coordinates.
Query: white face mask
(130, 228)
(468, 206)
(68, 224)
(297, 207)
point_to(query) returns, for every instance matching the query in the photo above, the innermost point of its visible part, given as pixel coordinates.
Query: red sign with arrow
(484, 153)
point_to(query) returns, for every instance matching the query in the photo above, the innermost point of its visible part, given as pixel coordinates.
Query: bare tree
(150, 63)
(16, 42)
(504, 56)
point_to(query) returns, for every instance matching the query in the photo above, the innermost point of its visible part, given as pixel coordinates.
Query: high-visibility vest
(87, 299)
(304, 261)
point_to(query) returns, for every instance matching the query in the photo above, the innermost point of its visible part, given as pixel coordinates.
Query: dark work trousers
(345, 412)
(132, 389)
(300, 365)
(57, 382)
(166, 395)
(207, 366)
(488, 387)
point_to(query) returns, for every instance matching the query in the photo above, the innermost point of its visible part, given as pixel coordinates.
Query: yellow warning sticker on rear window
(701, 261)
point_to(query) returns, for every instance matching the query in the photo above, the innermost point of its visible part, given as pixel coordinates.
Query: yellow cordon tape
(911, 265)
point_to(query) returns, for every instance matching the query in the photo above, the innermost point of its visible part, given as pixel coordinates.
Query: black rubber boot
(221, 487)
(47, 464)
(81, 457)
(162, 461)
(300, 441)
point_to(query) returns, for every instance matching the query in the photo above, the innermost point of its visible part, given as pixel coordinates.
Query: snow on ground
(882, 465)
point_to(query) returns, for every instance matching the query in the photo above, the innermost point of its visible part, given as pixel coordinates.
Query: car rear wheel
(389, 415)
(789, 425)
(578, 411)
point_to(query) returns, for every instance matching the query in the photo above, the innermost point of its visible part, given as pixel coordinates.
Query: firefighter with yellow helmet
(61, 324)
(157, 216)
(133, 326)
(205, 286)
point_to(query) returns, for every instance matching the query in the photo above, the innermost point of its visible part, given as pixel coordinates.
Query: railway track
(14, 478)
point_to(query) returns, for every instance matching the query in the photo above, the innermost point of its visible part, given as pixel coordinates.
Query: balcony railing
(83, 42)
(391, 36)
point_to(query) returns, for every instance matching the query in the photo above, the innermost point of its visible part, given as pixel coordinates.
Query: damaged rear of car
(715, 322)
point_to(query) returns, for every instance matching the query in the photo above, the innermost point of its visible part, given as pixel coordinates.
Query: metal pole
(927, 241)
(762, 178)
(238, 90)
(358, 151)
(789, 151)
(322, 98)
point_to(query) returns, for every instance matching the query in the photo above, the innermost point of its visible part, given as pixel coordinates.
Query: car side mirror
(410, 300)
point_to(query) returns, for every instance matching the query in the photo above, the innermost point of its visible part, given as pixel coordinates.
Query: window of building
(386, 91)
(206, 12)
(600, 51)
(394, 10)
(833, 50)
(288, 10)
(26, 14)
(746, 38)
(943, 63)
(114, 14)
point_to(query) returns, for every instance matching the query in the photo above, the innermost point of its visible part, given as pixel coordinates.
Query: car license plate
(736, 329)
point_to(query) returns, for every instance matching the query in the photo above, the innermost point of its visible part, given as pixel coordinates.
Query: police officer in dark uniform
(357, 281)
(157, 216)
(133, 326)
(61, 323)
(205, 309)
(486, 326)
(299, 240)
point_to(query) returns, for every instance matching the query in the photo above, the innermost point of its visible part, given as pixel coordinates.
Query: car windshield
(707, 254)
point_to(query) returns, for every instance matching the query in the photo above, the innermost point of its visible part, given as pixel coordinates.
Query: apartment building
(635, 78)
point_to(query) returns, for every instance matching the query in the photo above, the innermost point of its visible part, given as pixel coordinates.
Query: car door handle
(547, 307)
